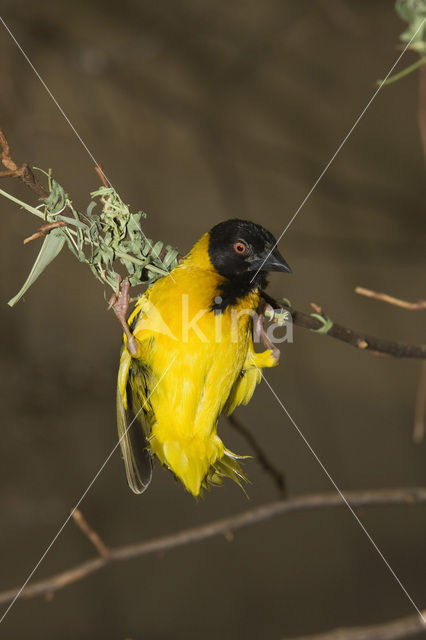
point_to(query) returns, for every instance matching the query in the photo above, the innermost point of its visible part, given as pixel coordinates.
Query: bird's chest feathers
(190, 311)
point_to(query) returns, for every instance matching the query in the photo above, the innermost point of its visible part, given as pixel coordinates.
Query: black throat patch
(231, 291)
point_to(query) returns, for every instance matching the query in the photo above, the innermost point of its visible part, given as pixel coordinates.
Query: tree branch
(400, 628)
(277, 476)
(421, 109)
(396, 302)
(356, 339)
(224, 526)
(90, 533)
(420, 406)
(24, 172)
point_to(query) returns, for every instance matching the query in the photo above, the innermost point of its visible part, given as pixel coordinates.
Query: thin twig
(420, 406)
(397, 302)
(375, 497)
(403, 73)
(420, 402)
(90, 533)
(277, 476)
(400, 628)
(356, 339)
(8, 174)
(101, 175)
(44, 230)
(5, 154)
(421, 109)
(24, 172)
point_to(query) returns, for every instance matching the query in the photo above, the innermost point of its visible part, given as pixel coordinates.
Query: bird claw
(120, 305)
(265, 310)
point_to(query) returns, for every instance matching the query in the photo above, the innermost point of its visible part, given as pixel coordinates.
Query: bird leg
(120, 304)
(265, 310)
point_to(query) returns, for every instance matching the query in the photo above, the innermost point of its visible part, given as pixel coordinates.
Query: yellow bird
(188, 356)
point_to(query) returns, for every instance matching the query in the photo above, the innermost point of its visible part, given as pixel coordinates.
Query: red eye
(239, 247)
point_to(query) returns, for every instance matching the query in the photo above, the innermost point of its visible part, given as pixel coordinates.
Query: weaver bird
(188, 356)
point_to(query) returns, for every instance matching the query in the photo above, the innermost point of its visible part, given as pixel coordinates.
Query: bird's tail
(198, 462)
(226, 467)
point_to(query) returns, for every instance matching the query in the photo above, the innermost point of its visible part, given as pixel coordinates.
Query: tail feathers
(199, 463)
(226, 467)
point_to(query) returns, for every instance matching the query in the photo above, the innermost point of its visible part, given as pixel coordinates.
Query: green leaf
(57, 198)
(50, 248)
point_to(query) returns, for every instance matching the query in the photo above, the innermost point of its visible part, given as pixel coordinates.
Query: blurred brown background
(199, 111)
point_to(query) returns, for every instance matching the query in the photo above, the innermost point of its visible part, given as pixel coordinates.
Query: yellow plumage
(183, 377)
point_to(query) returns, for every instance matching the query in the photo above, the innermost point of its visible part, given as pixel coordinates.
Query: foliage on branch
(413, 12)
(100, 239)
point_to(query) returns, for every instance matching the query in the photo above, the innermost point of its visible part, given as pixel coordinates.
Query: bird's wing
(242, 389)
(132, 423)
(250, 375)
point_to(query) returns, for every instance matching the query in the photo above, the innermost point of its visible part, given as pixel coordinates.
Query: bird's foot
(265, 311)
(119, 303)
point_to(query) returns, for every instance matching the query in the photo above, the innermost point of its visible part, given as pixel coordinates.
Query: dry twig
(90, 533)
(44, 230)
(277, 476)
(223, 527)
(420, 406)
(421, 109)
(101, 175)
(24, 172)
(356, 339)
(400, 628)
(397, 302)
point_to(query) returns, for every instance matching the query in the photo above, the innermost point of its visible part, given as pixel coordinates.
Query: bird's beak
(275, 262)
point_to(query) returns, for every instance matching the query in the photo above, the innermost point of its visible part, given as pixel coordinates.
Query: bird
(188, 356)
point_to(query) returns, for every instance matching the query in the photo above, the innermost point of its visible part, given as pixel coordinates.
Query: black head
(239, 248)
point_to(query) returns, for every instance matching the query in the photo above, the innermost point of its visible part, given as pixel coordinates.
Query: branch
(44, 230)
(355, 339)
(420, 406)
(400, 628)
(397, 302)
(224, 526)
(90, 533)
(106, 240)
(421, 109)
(277, 476)
(24, 172)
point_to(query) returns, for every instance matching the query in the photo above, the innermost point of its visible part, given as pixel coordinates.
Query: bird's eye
(239, 247)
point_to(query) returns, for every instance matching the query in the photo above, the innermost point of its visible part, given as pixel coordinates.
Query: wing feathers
(133, 442)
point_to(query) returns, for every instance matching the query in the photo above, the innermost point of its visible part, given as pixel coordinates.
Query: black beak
(275, 262)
